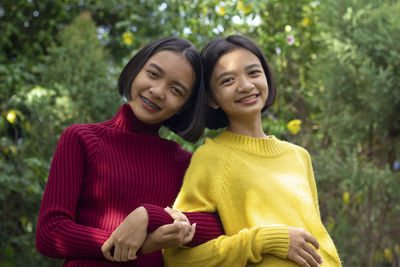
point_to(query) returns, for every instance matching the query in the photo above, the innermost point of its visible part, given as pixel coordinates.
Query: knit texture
(99, 174)
(259, 187)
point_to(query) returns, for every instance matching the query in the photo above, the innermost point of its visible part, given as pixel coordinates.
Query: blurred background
(337, 66)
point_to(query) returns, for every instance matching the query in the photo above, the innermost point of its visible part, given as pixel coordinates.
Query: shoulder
(181, 155)
(210, 155)
(210, 150)
(84, 131)
(299, 151)
(82, 137)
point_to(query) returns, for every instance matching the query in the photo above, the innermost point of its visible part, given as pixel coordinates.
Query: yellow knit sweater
(259, 187)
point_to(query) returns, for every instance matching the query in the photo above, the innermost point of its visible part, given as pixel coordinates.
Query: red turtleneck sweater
(99, 174)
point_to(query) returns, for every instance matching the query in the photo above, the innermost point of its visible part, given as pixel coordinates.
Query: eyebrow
(220, 76)
(252, 66)
(154, 65)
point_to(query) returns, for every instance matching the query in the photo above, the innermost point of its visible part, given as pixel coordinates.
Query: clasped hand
(300, 250)
(131, 235)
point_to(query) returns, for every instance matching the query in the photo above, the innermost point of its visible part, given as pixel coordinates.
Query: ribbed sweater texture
(259, 187)
(99, 174)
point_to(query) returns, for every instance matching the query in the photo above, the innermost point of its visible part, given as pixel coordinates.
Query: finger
(170, 228)
(308, 258)
(117, 253)
(124, 253)
(300, 261)
(190, 236)
(183, 228)
(313, 253)
(310, 239)
(106, 249)
(132, 255)
(174, 215)
(183, 216)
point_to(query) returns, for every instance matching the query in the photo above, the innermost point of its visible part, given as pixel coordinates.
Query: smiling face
(239, 85)
(162, 87)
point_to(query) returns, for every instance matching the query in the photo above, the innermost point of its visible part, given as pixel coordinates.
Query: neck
(251, 127)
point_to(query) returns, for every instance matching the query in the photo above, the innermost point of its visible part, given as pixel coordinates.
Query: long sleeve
(232, 251)
(58, 235)
(200, 192)
(311, 180)
(208, 224)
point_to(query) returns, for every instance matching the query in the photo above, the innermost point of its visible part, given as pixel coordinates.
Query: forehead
(236, 59)
(165, 58)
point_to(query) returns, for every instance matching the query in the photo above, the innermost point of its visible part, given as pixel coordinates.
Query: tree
(357, 87)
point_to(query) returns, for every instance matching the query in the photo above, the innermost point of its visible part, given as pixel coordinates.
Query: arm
(58, 235)
(208, 225)
(235, 250)
(311, 180)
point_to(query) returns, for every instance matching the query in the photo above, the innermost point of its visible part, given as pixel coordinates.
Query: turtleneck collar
(127, 121)
(267, 147)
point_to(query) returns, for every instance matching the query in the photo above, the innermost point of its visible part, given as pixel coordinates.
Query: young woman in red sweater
(109, 182)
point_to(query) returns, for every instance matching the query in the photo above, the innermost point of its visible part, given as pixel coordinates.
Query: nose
(157, 91)
(245, 85)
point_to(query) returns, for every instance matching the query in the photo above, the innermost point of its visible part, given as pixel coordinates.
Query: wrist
(141, 214)
(147, 245)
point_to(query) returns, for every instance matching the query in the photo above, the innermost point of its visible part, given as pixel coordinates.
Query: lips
(149, 103)
(247, 98)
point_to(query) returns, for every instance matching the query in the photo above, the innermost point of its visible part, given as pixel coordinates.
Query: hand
(128, 237)
(168, 236)
(300, 250)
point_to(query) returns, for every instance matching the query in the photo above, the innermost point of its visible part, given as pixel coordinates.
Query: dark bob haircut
(188, 123)
(211, 53)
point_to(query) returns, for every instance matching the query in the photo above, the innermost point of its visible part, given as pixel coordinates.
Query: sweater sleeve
(232, 251)
(199, 193)
(311, 180)
(208, 224)
(58, 235)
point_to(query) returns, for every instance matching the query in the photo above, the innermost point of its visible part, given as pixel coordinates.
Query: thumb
(106, 248)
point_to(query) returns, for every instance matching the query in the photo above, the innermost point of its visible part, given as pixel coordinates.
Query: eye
(227, 81)
(152, 73)
(254, 72)
(176, 91)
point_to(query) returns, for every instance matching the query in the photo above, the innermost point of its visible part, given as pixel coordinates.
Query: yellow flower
(306, 21)
(388, 254)
(294, 126)
(397, 249)
(346, 197)
(246, 9)
(11, 116)
(127, 38)
(221, 10)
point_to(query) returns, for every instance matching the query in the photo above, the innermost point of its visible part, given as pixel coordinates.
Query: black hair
(211, 53)
(188, 123)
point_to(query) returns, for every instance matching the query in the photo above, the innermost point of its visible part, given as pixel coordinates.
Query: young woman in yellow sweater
(262, 188)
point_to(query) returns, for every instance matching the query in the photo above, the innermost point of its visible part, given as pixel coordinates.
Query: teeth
(150, 104)
(247, 98)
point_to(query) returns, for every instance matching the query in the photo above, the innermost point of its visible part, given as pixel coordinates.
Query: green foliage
(356, 83)
(75, 73)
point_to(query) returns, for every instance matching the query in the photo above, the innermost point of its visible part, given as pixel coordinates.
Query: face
(239, 85)
(162, 87)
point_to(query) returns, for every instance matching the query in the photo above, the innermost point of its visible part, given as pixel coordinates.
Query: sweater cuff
(157, 217)
(274, 240)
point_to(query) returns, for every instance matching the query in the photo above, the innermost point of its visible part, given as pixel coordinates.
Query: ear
(211, 102)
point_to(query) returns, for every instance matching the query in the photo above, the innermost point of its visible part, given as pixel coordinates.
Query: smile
(150, 104)
(247, 99)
